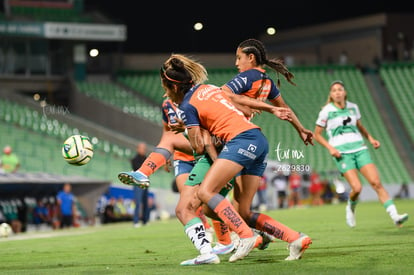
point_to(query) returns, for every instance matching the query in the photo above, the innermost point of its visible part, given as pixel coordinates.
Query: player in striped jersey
(345, 142)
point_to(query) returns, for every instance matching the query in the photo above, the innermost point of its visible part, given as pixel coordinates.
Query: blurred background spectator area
(60, 58)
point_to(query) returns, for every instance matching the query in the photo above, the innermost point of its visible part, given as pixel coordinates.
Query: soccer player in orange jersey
(177, 146)
(253, 82)
(245, 150)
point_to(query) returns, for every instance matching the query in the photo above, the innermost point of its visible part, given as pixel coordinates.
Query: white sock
(197, 234)
(392, 211)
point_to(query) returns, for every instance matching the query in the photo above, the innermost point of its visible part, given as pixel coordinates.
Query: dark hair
(176, 73)
(256, 47)
(337, 82)
(182, 70)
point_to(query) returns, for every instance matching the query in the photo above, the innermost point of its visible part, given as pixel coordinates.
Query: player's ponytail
(280, 68)
(182, 71)
(256, 47)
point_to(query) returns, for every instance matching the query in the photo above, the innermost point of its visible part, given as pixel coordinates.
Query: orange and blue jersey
(207, 106)
(178, 155)
(169, 113)
(254, 83)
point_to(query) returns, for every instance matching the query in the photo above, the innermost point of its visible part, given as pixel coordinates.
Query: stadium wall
(154, 61)
(113, 118)
(366, 40)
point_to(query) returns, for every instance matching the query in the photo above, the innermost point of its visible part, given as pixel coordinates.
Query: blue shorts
(183, 167)
(249, 149)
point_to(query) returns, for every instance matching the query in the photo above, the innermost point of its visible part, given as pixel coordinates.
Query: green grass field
(375, 246)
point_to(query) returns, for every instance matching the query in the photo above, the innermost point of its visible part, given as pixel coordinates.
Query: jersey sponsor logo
(206, 92)
(346, 121)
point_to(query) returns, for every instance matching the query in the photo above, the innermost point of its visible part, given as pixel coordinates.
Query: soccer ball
(77, 150)
(164, 215)
(5, 230)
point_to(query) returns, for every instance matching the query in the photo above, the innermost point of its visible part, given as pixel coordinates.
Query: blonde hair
(183, 70)
(330, 87)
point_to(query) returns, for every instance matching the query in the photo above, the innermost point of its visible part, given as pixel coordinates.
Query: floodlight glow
(198, 26)
(93, 53)
(271, 31)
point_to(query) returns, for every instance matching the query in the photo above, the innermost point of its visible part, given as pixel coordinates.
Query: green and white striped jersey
(341, 127)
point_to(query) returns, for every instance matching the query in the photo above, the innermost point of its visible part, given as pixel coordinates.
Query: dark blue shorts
(249, 149)
(183, 167)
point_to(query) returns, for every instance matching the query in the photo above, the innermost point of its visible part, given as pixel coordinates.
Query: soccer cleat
(134, 178)
(350, 216)
(298, 247)
(235, 239)
(245, 246)
(221, 249)
(137, 225)
(266, 240)
(401, 219)
(203, 259)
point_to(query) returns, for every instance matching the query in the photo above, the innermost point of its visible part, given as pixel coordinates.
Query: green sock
(352, 204)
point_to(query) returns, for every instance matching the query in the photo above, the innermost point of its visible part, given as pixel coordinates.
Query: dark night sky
(167, 27)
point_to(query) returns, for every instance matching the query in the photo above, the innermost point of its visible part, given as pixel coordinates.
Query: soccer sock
(352, 204)
(391, 209)
(226, 212)
(222, 232)
(203, 218)
(266, 224)
(197, 234)
(155, 160)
